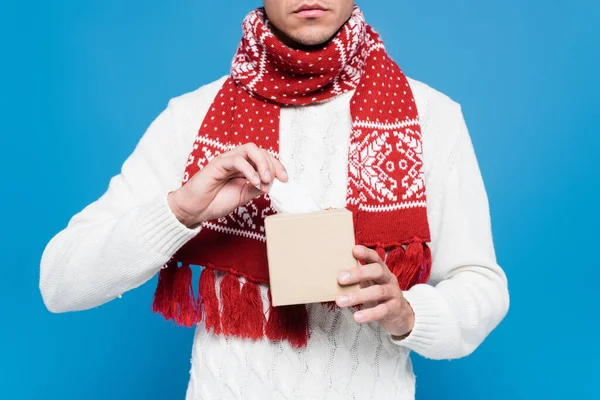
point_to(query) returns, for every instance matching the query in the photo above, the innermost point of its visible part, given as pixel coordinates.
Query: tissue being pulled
(290, 197)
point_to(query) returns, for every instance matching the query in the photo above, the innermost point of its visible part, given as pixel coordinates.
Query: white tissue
(290, 197)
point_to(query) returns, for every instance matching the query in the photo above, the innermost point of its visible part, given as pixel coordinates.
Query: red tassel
(288, 323)
(230, 299)
(199, 306)
(296, 325)
(411, 265)
(212, 319)
(381, 252)
(183, 304)
(394, 260)
(163, 295)
(274, 328)
(426, 270)
(251, 309)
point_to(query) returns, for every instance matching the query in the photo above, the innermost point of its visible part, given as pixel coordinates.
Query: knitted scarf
(385, 191)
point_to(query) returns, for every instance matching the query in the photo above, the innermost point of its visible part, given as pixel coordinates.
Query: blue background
(81, 81)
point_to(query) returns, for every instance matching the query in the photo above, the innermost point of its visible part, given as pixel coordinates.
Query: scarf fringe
(240, 311)
(164, 290)
(426, 271)
(288, 323)
(412, 265)
(380, 252)
(230, 299)
(183, 306)
(251, 308)
(212, 317)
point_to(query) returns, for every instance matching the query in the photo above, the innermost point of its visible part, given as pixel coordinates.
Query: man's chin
(313, 37)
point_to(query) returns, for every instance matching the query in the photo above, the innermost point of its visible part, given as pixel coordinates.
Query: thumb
(249, 193)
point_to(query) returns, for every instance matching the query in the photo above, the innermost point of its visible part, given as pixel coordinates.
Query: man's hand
(226, 183)
(379, 293)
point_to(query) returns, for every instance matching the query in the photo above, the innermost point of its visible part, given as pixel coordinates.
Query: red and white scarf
(386, 189)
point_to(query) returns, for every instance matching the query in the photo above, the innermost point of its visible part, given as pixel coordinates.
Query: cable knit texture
(121, 241)
(343, 360)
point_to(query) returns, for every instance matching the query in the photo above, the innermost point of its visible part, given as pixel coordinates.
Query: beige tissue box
(306, 253)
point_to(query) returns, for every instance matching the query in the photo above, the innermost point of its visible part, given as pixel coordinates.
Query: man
(312, 98)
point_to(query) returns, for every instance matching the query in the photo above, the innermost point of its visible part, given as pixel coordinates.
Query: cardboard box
(306, 253)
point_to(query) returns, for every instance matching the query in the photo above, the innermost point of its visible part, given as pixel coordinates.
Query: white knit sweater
(123, 239)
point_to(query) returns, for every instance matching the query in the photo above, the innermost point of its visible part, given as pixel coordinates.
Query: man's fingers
(267, 166)
(371, 294)
(237, 163)
(374, 314)
(280, 171)
(260, 159)
(367, 255)
(370, 272)
(270, 160)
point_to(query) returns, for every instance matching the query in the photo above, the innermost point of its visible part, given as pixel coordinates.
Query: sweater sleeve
(467, 295)
(121, 240)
